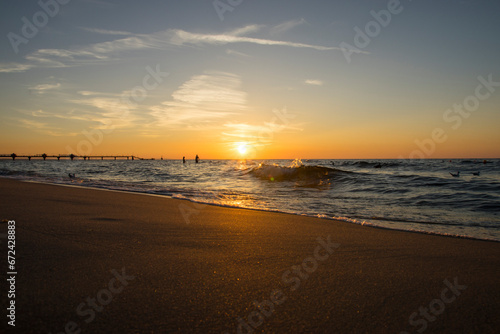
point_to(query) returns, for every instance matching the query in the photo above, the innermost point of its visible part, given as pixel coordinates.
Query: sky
(231, 79)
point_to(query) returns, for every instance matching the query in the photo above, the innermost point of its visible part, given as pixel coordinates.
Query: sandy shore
(110, 262)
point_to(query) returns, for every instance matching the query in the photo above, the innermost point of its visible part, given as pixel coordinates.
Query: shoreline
(335, 219)
(204, 275)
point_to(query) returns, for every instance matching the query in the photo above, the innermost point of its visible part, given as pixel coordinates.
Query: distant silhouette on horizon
(197, 158)
(183, 160)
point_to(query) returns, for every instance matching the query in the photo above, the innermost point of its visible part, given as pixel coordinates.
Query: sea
(413, 195)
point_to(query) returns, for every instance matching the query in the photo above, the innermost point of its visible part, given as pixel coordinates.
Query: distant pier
(44, 156)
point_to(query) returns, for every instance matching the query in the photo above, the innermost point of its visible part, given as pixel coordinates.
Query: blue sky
(271, 76)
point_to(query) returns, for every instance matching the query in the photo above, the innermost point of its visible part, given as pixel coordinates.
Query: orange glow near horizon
(283, 146)
(386, 139)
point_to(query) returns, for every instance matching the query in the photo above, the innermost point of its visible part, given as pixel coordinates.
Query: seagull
(455, 175)
(476, 173)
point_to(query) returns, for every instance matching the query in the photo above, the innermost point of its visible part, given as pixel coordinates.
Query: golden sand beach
(95, 261)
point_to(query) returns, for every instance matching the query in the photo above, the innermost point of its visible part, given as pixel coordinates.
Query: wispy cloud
(110, 109)
(236, 53)
(250, 130)
(285, 26)
(314, 82)
(42, 88)
(112, 112)
(113, 50)
(98, 51)
(14, 67)
(68, 115)
(43, 128)
(184, 37)
(201, 101)
(92, 54)
(91, 93)
(86, 119)
(255, 135)
(246, 30)
(108, 104)
(247, 132)
(107, 32)
(86, 110)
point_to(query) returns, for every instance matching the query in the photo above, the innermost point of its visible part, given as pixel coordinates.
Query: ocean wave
(295, 172)
(16, 173)
(371, 164)
(475, 162)
(418, 194)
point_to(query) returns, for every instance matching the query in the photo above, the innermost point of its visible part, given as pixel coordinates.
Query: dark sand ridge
(202, 276)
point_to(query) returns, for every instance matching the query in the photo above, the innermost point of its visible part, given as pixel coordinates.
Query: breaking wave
(297, 172)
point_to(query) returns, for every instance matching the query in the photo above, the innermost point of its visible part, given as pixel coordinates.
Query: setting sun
(243, 148)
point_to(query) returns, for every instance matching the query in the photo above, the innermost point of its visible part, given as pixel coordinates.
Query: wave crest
(295, 172)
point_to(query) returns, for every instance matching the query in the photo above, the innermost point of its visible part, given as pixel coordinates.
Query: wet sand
(100, 261)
